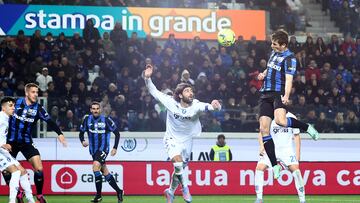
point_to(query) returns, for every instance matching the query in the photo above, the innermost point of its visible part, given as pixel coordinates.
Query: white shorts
(286, 157)
(174, 148)
(6, 160)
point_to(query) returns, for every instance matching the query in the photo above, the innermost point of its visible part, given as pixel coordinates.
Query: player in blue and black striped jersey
(27, 112)
(99, 128)
(275, 93)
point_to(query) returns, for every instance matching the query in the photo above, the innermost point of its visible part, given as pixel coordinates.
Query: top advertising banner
(158, 22)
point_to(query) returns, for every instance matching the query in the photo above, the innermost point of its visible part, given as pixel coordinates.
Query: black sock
(110, 179)
(270, 149)
(294, 123)
(39, 181)
(7, 177)
(98, 183)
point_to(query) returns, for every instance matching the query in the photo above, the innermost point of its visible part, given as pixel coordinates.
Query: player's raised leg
(282, 120)
(299, 182)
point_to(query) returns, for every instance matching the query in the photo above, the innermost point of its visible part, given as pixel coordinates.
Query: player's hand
(261, 76)
(7, 147)
(148, 71)
(113, 152)
(216, 104)
(261, 150)
(62, 140)
(85, 143)
(285, 99)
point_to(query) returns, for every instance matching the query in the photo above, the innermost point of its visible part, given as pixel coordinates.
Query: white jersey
(283, 137)
(4, 125)
(181, 123)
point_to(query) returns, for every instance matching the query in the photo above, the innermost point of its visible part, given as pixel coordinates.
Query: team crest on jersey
(183, 111)
(100, 125)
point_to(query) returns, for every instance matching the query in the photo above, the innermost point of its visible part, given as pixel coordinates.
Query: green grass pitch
(208, 199)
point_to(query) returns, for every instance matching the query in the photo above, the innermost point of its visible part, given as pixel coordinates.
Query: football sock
(174, 182)
(14, 185)
(180, 173)
(98, 182)
(7, 177)
(270, 149)
(25, 184)
(294, 123)
(259, 183)
(110, 179)
(39, 181)
(299, 184)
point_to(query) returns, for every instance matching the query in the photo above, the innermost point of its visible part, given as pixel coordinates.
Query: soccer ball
(226, 37)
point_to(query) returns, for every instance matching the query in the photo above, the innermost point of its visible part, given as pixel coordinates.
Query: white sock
(174, 182)
(299, 184)
(180, 173)
(14, 185)
(259, 183)
(25, 184)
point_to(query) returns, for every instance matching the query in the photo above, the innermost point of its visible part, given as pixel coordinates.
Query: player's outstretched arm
(43, 115)
(166, 100)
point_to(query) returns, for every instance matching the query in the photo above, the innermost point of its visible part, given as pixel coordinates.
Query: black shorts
(27, 149)
(269, 101)
(100, 156)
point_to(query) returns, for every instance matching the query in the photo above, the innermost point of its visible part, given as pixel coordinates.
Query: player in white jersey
(7, 162)
(288, 157)
(182, 124)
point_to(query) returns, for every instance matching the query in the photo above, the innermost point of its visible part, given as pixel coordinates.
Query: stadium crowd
(74, 71)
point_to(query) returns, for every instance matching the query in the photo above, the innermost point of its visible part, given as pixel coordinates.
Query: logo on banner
(129, 145)
(66, 178)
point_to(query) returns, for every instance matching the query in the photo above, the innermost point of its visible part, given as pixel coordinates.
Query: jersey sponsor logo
(281, 130)
(274, 66)
(129, 145)
(177, 116)
(23, 118)
(97, 131)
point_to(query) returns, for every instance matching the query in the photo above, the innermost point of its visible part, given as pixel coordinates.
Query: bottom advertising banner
(205, 178)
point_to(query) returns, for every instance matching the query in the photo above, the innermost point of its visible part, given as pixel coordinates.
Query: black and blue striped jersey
(23, 120)
(278, 66)
(99, 130)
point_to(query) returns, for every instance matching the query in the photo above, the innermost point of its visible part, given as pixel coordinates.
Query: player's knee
(281, 121)
(23, 171)
(264, 130)
(39, 169)
(178, 168)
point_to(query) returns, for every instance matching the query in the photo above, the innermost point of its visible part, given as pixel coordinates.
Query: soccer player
(7, 162)
(98, 128)
(27, 112)
(285, 153)
(275, 93)
(182, 124)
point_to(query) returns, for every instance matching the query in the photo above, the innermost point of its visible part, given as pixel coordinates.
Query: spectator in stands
(172, 43)
(309, 46)
(69, 123)
(352, 123)
(91, 34)
(43, 79)
(294, 45)
(339, 123)
(312, 69)
(320, 45)
(323, 124)
(78, 42)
